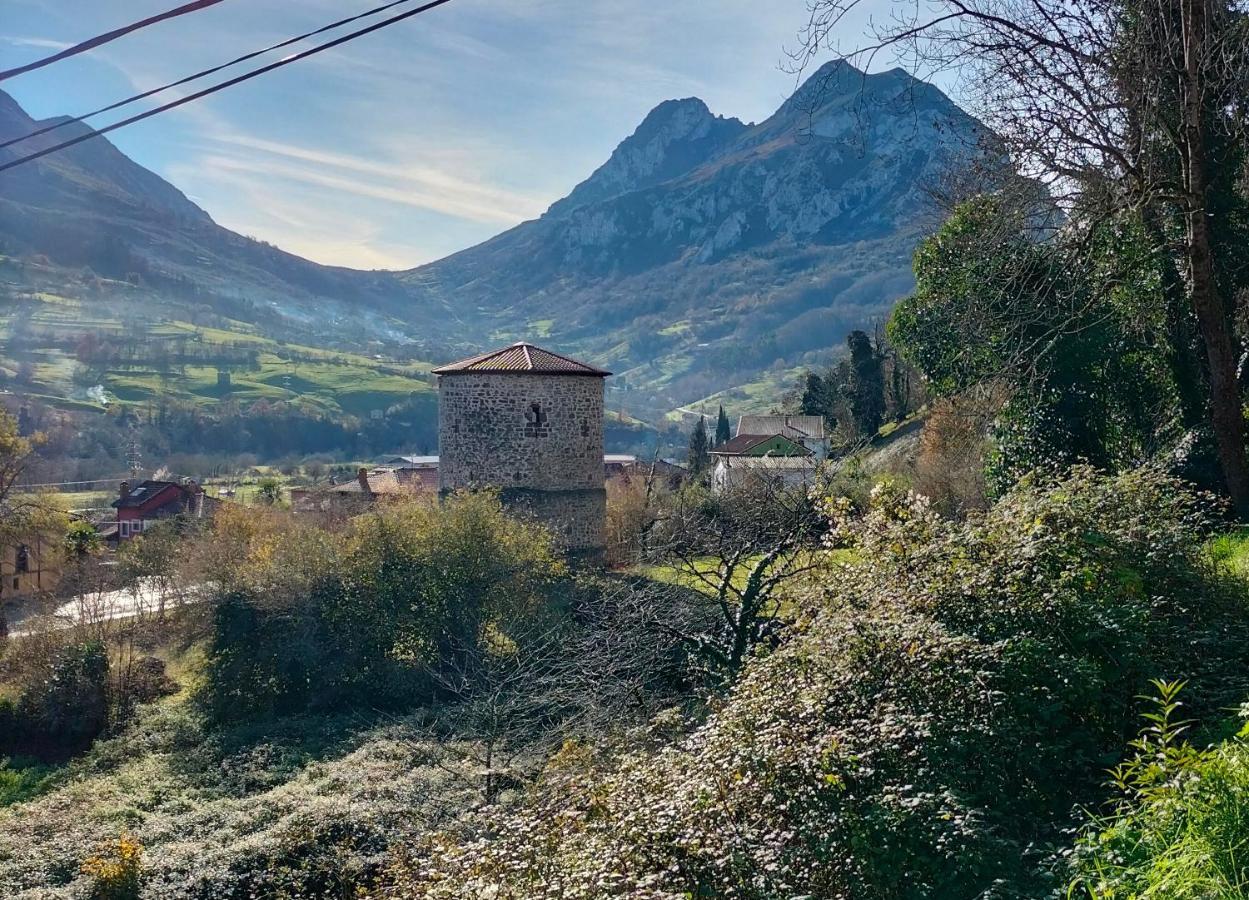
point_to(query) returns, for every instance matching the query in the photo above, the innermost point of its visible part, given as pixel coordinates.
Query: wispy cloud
(302, 223)
(42, 43)
(420, 139)
(420, 186)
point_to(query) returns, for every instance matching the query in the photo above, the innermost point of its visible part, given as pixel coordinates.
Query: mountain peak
(686, 112)
(836, 78)
(674, 137)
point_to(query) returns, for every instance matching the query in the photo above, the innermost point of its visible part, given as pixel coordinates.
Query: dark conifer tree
(698, 459)
(723, 431)
(867, 383)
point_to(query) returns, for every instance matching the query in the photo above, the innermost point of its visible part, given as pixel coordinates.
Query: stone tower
(529, 422)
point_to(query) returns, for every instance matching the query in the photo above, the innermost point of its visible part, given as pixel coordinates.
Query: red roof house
(154, 501)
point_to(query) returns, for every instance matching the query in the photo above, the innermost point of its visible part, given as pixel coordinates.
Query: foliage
(634, 502)
(867, 383)
(698, 459)
(64, 705)
(82, 539)
(24, 517)
(926, 734)
(307, 618)
(21, 778)
(293, 808)
(1231, 551)
(269, 491)
(724, 431)
(860, 392)
(307, 806)
(949, 468)
(737, 550)
(1070, 330)
(1179, 828)
(115, 870)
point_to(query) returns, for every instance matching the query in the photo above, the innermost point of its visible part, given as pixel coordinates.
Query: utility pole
(134, 459)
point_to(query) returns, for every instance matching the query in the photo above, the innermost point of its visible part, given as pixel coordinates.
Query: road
(103, 606)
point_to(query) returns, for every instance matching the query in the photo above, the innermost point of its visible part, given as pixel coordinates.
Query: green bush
(21, 779)
(1180, 828)
(322, 620)
(63, 706)
(952, 698)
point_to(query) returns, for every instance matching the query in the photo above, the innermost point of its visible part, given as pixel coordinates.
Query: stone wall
(538, 437)
(577, 518)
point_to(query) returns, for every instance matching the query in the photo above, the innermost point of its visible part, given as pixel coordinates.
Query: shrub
(307, 619)
(297, 808)
(949, 468)
(63, 706)
(1179, 827)
(22, 779)
(632, 508)
(952, 697)
(115, 870)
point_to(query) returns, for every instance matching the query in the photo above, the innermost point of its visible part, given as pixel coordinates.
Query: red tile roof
(521, 358)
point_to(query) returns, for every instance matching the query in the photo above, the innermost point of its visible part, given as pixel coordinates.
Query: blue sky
(419, 140)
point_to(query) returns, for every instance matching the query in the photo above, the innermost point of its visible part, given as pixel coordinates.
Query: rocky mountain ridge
(706, 254)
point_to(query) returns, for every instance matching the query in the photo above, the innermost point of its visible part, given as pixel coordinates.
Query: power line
(101, 39)
(247, 76)
(110, 480)
(204, 73)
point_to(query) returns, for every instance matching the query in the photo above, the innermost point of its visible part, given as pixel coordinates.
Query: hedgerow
(946, 706)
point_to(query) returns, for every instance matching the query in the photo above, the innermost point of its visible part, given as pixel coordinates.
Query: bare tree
(1115, 107)
(735, 552)
(510, 702)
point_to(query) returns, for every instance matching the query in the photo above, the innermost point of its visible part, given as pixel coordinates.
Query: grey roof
(793, 427)
(412, 461)
(744, 443)
(805, 463)
(521, 358)
(142, 493)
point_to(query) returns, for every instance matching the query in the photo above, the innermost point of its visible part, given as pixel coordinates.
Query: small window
(123, 529)
(535, 420)
(23, 559)
(15, 584)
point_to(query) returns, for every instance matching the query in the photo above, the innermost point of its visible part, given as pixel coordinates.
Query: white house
(806, 430)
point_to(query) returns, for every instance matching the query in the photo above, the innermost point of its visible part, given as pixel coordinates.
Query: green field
(40, 332)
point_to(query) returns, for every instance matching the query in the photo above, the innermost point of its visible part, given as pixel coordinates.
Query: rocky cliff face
(677, 136)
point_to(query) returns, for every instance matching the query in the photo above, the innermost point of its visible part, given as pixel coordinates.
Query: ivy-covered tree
(866, 387)
(1127, 110)
(1072, 331)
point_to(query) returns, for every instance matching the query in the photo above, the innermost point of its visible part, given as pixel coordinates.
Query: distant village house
(783, 451)
(30, 568)
(140, 507)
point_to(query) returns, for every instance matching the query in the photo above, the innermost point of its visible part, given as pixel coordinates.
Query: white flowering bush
(942, 710)
(300, 808)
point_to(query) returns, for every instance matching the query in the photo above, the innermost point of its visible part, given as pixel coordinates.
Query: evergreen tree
(698, 459)
(723, 432)
(867, 383)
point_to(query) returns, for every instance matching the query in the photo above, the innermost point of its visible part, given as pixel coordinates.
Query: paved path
(86, 609)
